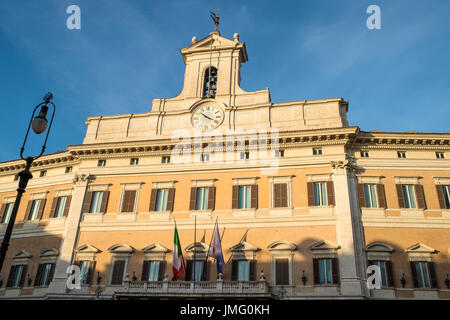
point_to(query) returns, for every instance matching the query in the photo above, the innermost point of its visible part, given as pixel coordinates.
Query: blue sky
(127, 53)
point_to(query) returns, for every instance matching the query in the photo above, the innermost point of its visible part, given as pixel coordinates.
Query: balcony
(190, 289)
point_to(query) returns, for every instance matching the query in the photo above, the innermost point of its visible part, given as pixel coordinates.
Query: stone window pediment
(86, 252)
(121, 248)
(200, 249)
(49, 255)
(21, 257)
(420, 252)
(379, 251)
(155, 251)
(244, 251)
(324, 249)
(281, 246)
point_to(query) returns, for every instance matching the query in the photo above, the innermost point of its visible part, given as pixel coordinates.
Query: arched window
(210, 83)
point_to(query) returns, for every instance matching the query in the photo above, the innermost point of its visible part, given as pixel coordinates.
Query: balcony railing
(194, 288)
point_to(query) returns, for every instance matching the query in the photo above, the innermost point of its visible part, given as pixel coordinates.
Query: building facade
(304, 201)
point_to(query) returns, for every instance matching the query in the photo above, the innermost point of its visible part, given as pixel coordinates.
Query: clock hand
(206, 116)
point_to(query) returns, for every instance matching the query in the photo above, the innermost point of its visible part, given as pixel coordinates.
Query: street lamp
(39, 124)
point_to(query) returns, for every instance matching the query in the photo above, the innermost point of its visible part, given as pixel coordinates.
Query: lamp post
(39, 124)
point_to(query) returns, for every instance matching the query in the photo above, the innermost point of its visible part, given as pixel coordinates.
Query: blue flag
(215, 251)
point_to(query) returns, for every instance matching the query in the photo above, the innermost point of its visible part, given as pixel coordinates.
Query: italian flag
(177, 264)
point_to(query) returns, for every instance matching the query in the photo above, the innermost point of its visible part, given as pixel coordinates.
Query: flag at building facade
(215, 250)
(177, 263)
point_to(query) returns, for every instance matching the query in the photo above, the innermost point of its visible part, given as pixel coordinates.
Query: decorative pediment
(197, 247)
(120, 248)
(420, 248)
(379, 247)
(324, 245)
(244, 246)
(22, 254)
(49, 252)
(281, 246)
(87, 248)
(155, 248)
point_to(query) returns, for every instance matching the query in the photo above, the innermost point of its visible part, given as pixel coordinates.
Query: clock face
(207, 117)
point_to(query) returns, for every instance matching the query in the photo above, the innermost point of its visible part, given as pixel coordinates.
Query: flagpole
(195, 243)
(209, 249)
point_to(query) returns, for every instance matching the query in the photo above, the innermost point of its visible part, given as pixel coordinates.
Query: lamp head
(40, 123)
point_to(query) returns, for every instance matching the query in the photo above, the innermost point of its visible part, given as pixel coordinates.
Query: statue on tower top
(215, 18)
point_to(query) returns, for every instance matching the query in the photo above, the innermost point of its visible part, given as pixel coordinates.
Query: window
(84, 272)
(68, 169)
(383, 269)
(440, 155)
(96, 202)
(364, 154)
(370, 196)
(245, 197)
(43, 173)
(60, 207)
(44, 274)
(401, 154)
(153, 271)
(118, 271)
(279, 153)
(325, 271)
(204, 157)
(165, 159)
(243, 270)
(245, 155)
(34, 210)
(16, 177)
(280, 195)
(202, 199)
(161, 199)
(317, 151)
(7, 213)
(423, 276)
(128, 201)
(210, 82)
(196, 270)
(16, 276)
(134, 161)
(446, 192)
(320, 194)
(101, 163)
(409, 196)
(282, 271)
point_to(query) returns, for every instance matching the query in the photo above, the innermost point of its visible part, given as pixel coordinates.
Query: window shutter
(153, 196)
(193, 198)
(37, 280)
(283, 195)
(362, 199)
(432, 272)
(401, 200)
(129, 197)
(235, 197)
(11, 276)
(171, 199)
(381, 196)
(390, 274)
(28, 210)
(330, 193)
(234, 270)
(50, 276)
(104, 204)
(310, 187)
(276, 195)
(335, 270)
(211, 198)
(2, 211)
(41, 208)
(162, 270)
(316, 271)
(67, 207)
(370, 262)
(254, 196)
(91, 270)
(252, 275)
(53, 208)
(145, 270)
(420, 196)
(282, 271)
(118, 270)
(414, 274)
(23, 275)
(87, 202)
(440, 193)
(188, 270)
(205, 270)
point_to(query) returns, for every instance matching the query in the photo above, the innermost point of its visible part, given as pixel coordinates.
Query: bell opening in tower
(210, 83)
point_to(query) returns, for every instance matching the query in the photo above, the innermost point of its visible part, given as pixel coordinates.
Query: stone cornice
(47, 161)
(402, 140)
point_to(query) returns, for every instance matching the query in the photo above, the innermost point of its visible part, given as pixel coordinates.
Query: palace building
(304, 201)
